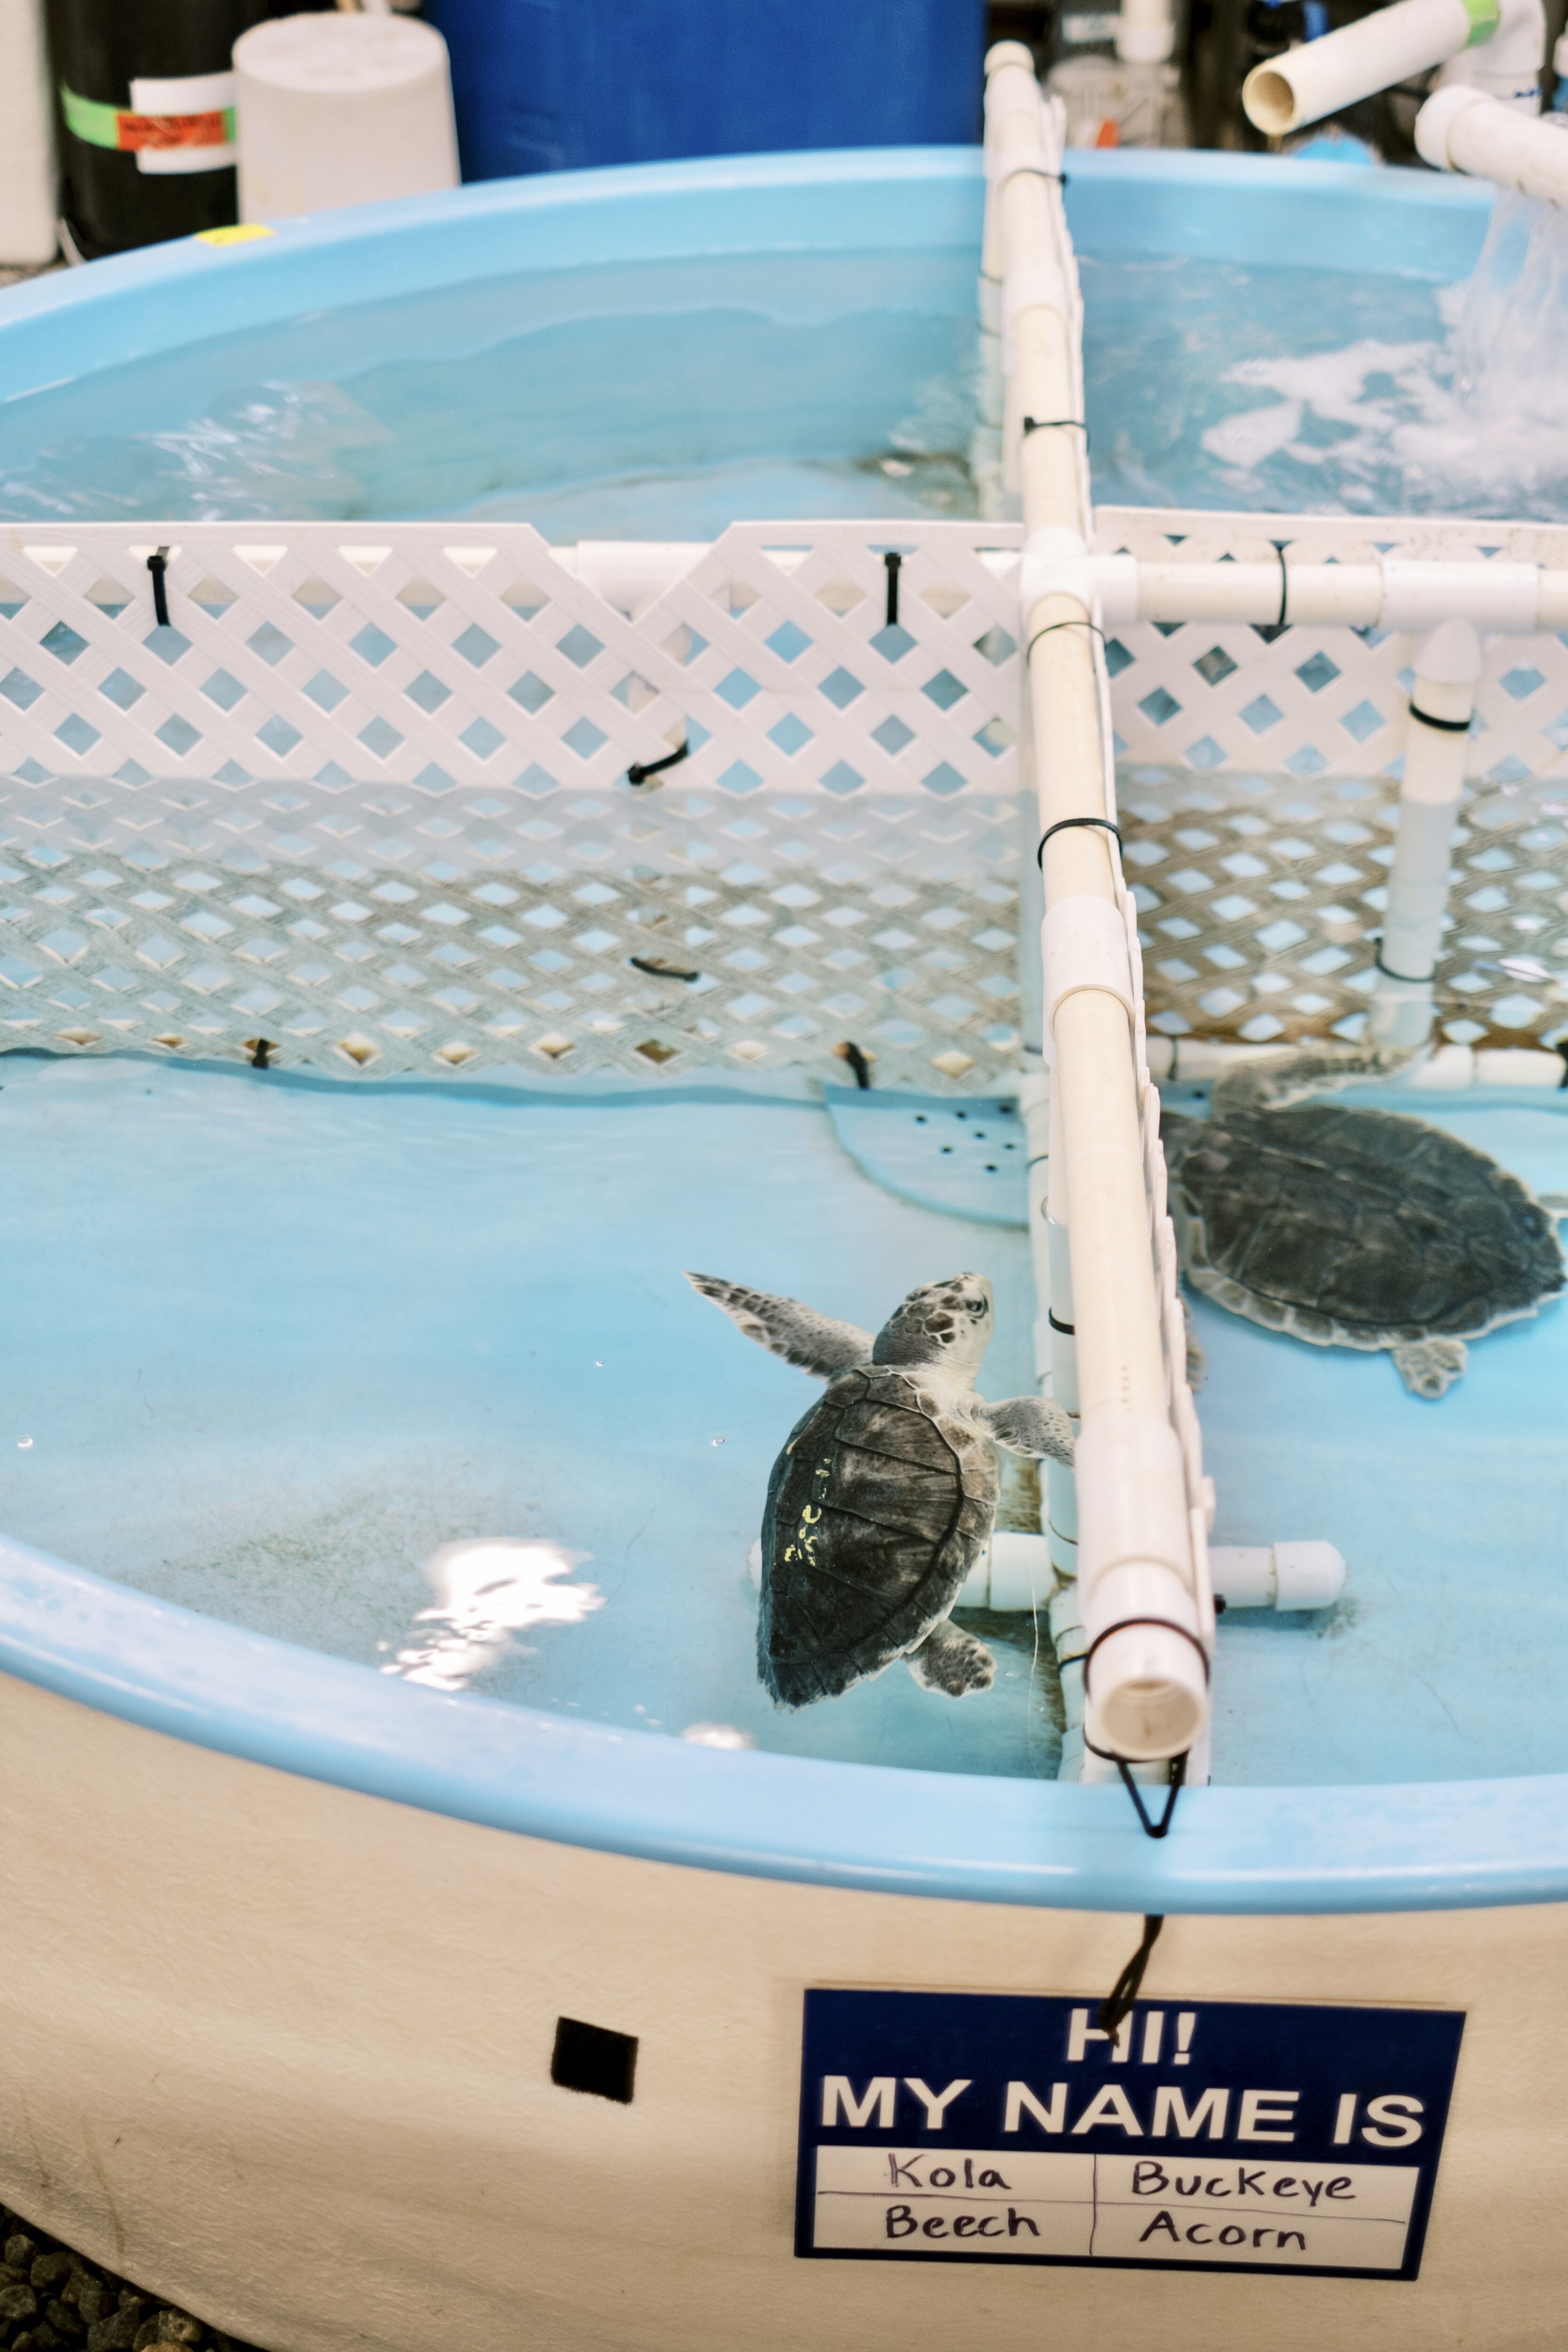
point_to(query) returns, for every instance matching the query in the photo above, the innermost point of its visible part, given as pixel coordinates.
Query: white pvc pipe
(1146, 1679)
(1504, 599)
(1441, 703)
(1018, 1576)
(1322, 76)
(1461, 130)
(1145, 34)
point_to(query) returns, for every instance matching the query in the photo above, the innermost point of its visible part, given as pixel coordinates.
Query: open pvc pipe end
(1270, 100)
(1149, 1694)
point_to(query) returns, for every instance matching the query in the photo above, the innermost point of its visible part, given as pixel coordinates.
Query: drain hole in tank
(591, 2058)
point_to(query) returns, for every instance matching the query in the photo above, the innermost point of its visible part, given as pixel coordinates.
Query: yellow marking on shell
(808, 1516)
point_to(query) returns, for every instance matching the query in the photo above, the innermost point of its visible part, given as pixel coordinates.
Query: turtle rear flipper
(952, 1661)
(1430, 1367)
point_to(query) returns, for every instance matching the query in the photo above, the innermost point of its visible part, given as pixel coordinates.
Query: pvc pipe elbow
(1436, 120)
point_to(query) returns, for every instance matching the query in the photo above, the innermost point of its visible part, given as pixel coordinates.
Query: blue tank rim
(72, 323)
(1438, 1845)
(217, 1686)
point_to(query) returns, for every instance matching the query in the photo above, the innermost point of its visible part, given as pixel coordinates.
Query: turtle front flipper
(953, 1661)
(817, 1343)
(1030, 1425)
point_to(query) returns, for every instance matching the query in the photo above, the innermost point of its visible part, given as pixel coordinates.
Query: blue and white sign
(1006, 2127)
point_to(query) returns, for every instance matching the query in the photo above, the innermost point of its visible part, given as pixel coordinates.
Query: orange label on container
(213, 130)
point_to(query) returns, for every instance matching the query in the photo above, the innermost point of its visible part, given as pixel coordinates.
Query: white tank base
(282, 2053)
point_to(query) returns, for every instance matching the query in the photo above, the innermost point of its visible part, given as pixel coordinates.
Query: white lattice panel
(367, 796)
(1259, 783)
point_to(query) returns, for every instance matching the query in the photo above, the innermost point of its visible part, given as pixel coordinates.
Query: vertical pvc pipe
(1146, 1671)
(1441, 704)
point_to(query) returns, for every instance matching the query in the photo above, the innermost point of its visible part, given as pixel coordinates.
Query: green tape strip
(87, 119)
(1484, 16)
(100, 125)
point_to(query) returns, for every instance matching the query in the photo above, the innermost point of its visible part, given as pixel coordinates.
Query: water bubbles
(716, 1440)
(716, 1735)
(24, 1442)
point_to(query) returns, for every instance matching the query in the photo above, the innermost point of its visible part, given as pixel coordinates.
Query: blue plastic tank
(550, 85)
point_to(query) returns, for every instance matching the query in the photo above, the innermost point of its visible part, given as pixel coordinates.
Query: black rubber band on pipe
(1066, 824)
(1067, 1330)
(1416, 979)
(1122, 1626)
(641, 770)
(1442, 725)
(1045, 632)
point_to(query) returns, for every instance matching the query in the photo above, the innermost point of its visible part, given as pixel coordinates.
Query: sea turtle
(1352, 1228)
(883, 1498)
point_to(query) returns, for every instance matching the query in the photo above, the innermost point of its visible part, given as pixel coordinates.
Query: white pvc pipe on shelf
(1462, 130)
(1322, 76)
(1144, 1604)
(1441, 702)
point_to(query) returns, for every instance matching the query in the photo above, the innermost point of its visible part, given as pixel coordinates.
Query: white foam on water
(1478, 422)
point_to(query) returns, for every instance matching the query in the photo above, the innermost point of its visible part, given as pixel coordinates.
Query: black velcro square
(591, 2058)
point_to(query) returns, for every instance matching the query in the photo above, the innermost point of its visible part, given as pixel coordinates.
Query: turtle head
(945, 1323)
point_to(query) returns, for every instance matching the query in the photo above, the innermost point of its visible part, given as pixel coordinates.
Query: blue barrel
(550, 85)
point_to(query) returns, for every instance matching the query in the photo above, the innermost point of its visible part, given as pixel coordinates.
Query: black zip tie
(1178, 1783)
(1056, 425)
(1417, 979)
(662, 970)
(1563, 1051)
(261, 1051)
(862, 1068)
(1269, 630)
(1045, 632)
(1034, 172)
(1443, 726)
(1069, 1330)
(1065, 824)
(892, 561)
(1118, 2002)
(158, 565)
(640, 769)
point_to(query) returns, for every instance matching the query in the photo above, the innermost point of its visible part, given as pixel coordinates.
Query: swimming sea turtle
(883, 1499)
(1352, 1228)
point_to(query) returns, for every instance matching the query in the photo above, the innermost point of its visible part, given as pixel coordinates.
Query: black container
(100, 48)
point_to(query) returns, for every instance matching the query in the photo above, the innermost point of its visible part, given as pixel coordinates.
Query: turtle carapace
(883, 1498)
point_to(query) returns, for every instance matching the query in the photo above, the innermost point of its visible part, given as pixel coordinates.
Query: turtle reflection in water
(1352, 1228)
(882, 1501)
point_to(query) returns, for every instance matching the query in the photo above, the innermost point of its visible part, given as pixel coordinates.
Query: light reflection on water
(488, 1592)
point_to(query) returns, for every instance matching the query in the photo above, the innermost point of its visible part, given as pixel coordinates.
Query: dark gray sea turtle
(1352, 1228)
(883, 1499)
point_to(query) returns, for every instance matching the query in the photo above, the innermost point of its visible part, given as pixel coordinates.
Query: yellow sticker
(240, 235)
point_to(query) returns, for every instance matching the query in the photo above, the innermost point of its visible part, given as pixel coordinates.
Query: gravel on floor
(52, 2300)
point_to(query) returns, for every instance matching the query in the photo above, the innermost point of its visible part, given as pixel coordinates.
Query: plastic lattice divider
(1259, 777)
(366, 795)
